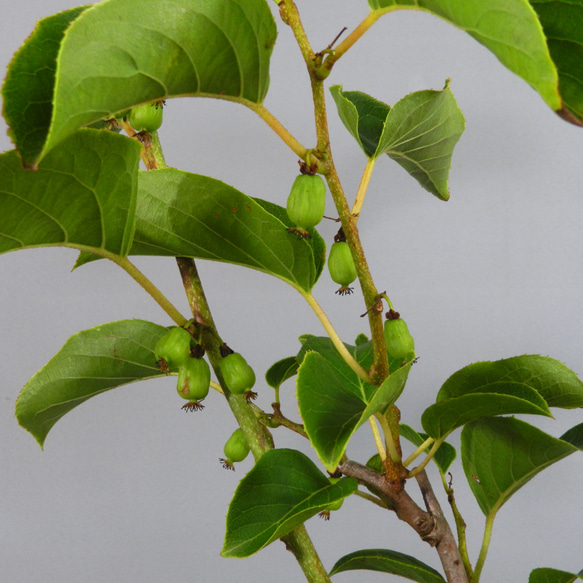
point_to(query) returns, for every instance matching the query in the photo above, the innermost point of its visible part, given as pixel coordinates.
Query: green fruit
(173, 347)
(341, 265)
(237, 374)
(306, 201)
(236, 449)
(398, 338)
(194, 378)
(335, 505)
(146, 117)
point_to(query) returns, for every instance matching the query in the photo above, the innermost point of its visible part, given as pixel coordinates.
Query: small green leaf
(385, 561)
(121, 53)
(419, 132)
(501, 454)
(558, 385)
(333, 401)
(89, 363)
(27, 92)
(281, 371)
(501, 398)
(182, 214)
(445, 454)
(544, 575)
(574, 436)
(281, 491)
(562, 23)
(83, 195)
(511, 30)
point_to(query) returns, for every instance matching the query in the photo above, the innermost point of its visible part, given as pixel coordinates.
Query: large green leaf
(419, 132)
(27, 92)
(83, 195)
(182, 214)
(120, 53)
(333, 401)
(562, 23)
(557, 384)
(545, 575)
(501, 454)
(386, 561)
(281, 491)
(501, 398)
(511, 30)
(89, 363)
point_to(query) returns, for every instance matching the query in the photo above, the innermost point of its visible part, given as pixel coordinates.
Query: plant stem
(418, 451)
(484, 549)
(158, 296)
(421, 467)
(348, 43)
(278, 128)
(392, 447)
(377, 438)
(363, 187)
(300, 544)
(348, 358)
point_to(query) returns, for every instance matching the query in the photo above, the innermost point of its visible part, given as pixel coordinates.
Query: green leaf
(443, 457)
(544, 575)
(501, 454)
(386, 561)
(182, 214)
(120, 53)
(574, 436)
(511, 30)
(281, 371)
(419, 132)
(89, 363)
(562, 23)
(281, 491)
(558, 385)
(27, 92)
(333, 401)
(501, 398)
(83, 195)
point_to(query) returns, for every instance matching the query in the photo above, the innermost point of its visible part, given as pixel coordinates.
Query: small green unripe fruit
(173, 347)
(146, 117)
(306, 202)
(194, 378)
(236, 449)
(341, 266)
(398, 338)
(237, 374)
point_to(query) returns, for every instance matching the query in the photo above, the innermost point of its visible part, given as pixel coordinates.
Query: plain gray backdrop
(129, 488)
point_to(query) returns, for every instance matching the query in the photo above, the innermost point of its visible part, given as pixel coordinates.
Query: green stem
(484, 549)
(389, 439)
(348, 358)
(300, 544)
(363, 187)
(418, 451)
(348, 43)
(418, 469)
(147, 285)
(377, 438)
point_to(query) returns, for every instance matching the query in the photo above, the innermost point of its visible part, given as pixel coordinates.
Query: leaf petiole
(363, 187)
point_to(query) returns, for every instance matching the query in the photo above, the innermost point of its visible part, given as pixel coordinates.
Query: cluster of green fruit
(305, 208)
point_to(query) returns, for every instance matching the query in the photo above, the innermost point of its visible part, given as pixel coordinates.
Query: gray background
(129, 488)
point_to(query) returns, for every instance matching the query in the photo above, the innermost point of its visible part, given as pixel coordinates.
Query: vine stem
(348, 358)
(377, 438)
(484, 550)
(363, 187)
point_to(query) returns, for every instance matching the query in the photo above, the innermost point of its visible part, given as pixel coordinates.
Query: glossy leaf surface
(545, 575)
(333, 401)
(386, 561)
(419, 132)
(27, 93)
(511, 30)
(91, 362)
(120, 53)
(282, 490)
(557, 384)
(83, 195)
(187, 215)
(502, 454)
